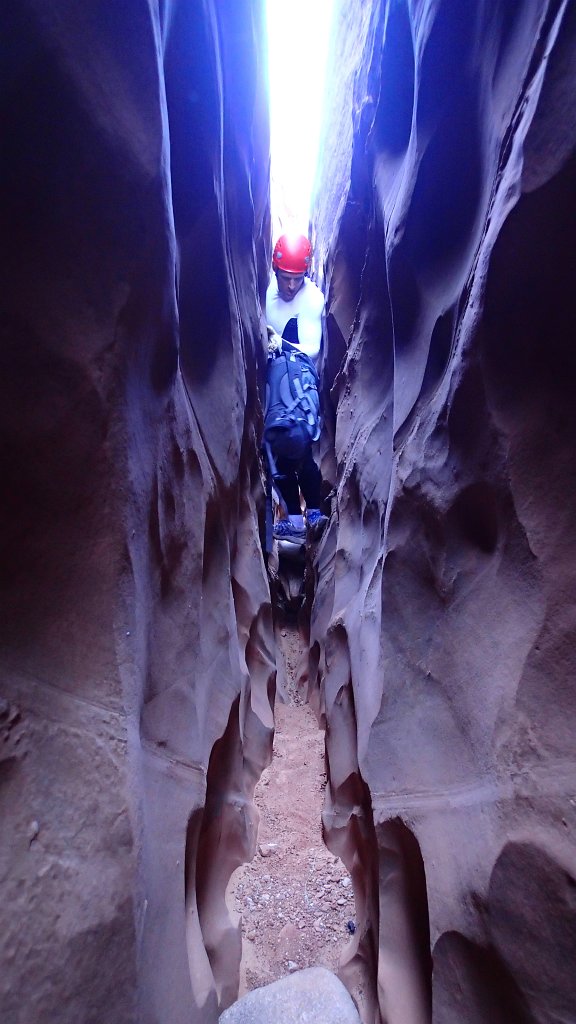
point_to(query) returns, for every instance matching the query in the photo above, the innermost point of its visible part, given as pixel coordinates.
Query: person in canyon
(294, 308)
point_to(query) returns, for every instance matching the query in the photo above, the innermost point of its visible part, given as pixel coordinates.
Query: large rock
(136, 645)
(313, 996)
(443, 655)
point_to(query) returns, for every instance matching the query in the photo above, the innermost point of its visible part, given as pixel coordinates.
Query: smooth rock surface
(136, 645)
(313, 996)
(443, 653)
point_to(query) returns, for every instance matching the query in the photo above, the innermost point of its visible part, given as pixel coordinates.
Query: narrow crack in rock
(295, 897)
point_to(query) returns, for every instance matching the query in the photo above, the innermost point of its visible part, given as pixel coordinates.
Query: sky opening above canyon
(298, 47)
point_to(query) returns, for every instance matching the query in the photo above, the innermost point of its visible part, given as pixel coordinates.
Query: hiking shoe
(315, 519)
(285, 530)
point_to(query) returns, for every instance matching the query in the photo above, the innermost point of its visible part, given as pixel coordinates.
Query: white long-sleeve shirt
(306, 308)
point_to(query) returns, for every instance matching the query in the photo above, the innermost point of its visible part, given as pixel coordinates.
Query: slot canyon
(141, 617)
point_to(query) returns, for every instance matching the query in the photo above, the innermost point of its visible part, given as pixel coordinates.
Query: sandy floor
(295, 897)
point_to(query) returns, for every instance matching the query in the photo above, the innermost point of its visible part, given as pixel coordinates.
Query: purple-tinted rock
(136, 646)
(442, 633)
(312, 996)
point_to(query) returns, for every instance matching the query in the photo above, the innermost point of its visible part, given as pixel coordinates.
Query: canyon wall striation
(443, 658)
(136, 647)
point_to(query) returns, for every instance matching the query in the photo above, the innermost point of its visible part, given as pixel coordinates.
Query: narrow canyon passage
(137, 608)
(295, 897)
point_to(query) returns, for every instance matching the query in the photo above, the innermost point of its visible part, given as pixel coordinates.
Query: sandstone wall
(443, 654)
(135, 652)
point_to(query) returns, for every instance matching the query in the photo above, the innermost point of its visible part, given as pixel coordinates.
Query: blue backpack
(292, 415)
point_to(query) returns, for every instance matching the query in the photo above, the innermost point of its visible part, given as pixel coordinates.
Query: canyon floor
(295, 898)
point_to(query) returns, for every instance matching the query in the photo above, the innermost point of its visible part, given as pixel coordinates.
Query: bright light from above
(298, 37)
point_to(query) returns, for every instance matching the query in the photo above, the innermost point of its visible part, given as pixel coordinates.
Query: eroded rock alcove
(137, 651)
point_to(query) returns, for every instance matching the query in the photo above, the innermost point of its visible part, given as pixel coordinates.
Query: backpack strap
(300, 397)
(270, 461)
(272, 474)
(269, 514)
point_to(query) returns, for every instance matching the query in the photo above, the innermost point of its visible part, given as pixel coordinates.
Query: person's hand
(274, 342)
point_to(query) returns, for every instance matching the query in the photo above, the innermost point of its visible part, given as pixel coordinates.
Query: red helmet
(292, 254)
